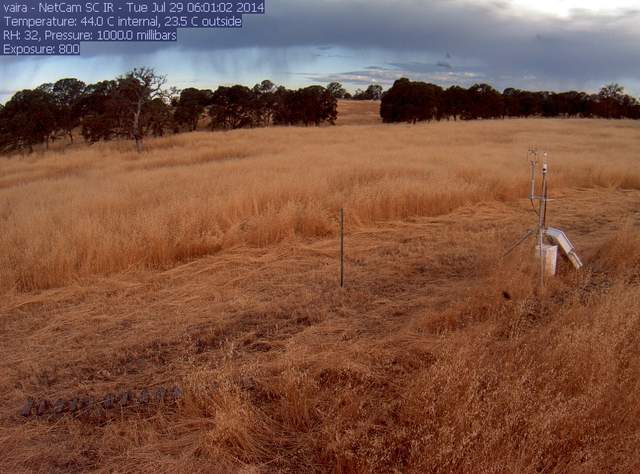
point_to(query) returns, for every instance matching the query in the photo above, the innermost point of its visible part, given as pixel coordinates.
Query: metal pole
(341, 248)
(533, 162)
(514, 246)
(542, 224)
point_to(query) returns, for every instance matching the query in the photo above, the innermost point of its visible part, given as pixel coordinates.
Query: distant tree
(549, 105)
(454, 102)
(519, 103)
(572, 103)
(396, 103)
(159, 117)
(264, 103)
(610, 98)
(512, 102)
(612, 91)
(412, 102)
(101, 116)
(282, 114)
(317, 105)
(28, 119)
(336, 90)
(137, 89)
(47, 89)
(137, 104)
(373, 92)
(265, 87)
(128, 107)
(312, 105)
(631, 107)
(190, 106)
(484, 102)
(232, 107)
(67, 95)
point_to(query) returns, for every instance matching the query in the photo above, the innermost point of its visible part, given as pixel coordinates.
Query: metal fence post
(341, 248)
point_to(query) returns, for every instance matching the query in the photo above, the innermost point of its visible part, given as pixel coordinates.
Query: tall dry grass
(485, 386)
(435, 357)
(371, 380)
(104, 209)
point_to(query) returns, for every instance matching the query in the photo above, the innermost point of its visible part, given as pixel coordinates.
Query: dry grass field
(210, 262)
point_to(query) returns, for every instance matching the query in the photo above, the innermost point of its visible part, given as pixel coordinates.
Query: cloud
(387, 74)
(494, 33)
(494, 40)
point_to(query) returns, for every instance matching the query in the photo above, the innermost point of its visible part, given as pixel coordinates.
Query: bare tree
(612, 91)
(142, 86)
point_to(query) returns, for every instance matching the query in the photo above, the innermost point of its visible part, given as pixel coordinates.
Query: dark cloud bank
(489, 41)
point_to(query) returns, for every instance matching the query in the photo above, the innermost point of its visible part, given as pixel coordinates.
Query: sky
(530, 44)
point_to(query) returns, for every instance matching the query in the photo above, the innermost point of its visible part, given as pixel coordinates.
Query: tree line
(409, 101)
(372, 92)
(138, 104)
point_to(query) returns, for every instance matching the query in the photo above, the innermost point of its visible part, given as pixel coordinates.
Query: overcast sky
(533, 44)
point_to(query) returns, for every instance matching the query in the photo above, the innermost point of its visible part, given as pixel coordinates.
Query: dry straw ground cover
(209, 262)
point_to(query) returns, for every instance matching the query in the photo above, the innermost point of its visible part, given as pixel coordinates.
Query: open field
(359, 112)
(210, 262)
